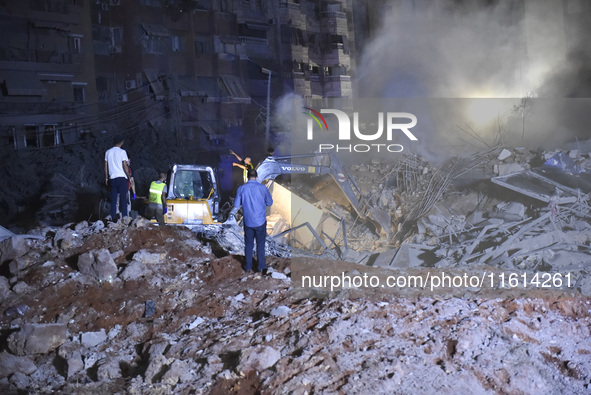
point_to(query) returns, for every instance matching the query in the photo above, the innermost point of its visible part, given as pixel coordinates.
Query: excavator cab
(193, 196)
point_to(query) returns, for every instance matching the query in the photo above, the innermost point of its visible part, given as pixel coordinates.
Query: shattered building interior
(430, 230)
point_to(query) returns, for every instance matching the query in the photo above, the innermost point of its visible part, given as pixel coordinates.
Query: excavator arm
(316, 164)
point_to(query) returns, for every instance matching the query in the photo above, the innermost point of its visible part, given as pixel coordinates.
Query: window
(190, 183)
(179, 44)
(75, 43)
(79, 94)
(203, 46)
(31, 137)
(252, 31)
(51, 136)
(116, 39)
(156, 45)
(107, 40)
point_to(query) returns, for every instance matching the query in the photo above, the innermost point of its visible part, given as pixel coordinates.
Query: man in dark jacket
(254, 198)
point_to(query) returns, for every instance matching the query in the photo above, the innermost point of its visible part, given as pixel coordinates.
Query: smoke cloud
(507, 66)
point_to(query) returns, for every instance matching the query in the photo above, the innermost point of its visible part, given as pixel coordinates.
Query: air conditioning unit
(122, 98)
(130, 84)
(115, 2)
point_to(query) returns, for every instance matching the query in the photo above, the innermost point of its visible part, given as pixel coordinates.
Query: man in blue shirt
(254, 198)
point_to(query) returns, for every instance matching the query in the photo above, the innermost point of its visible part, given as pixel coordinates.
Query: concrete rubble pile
(132, 307)
(475, 222)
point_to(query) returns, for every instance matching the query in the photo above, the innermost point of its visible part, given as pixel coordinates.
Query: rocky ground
(142, 309)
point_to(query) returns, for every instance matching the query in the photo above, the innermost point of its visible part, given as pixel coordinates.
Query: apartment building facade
(46, 73)
(200, 72)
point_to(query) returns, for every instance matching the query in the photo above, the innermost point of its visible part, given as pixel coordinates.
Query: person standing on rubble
(157, 199)
(245, 165)
(254, 198)
(117, 174)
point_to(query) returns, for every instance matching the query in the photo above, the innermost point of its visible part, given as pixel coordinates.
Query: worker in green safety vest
(157, 205)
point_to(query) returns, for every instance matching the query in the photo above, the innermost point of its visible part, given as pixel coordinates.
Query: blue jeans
(250, 234)
(118, 188)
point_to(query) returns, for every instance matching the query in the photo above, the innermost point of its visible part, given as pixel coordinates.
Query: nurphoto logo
(395, 122)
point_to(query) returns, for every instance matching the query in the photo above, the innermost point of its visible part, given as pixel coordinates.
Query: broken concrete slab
(509, 211)
(66, 238)
(108, 369)
(280, 311)
(505, 153)
(407, 256)
(98, 264)
(21, 263)
(258, 358)
(91, 339)
(179, 371)
(146, 258)
(10, 364)
(509, 168)
(75, 363)
(157, 364)
(4, 288)
(133, 271)
(13, 247)
(538, 186)
(37, 338)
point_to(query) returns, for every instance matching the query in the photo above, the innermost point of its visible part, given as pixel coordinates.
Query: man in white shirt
(116, 176)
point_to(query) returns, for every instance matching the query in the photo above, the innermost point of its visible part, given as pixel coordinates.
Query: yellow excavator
(193, 196)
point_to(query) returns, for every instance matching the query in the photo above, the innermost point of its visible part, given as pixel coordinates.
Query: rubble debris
(37, 338)
(98, 264)
(11, 364)
(217, 328)
(536, 185)
(258, 359)
(505, 153)
(91, 339)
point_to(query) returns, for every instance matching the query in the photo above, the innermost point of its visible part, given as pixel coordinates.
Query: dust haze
(508, 72)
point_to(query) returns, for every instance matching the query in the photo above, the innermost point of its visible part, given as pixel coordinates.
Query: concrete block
(98, 264)
(505, 153)
(4, 288)
(10, 364)
(37, 339)
(12, 248)
(91, 339)
(258, 358)
(75, 363)
(509, 168)
(280, 311)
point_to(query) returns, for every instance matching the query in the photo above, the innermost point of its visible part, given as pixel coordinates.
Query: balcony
(289, 6)
(333, 14)
(337, 78)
